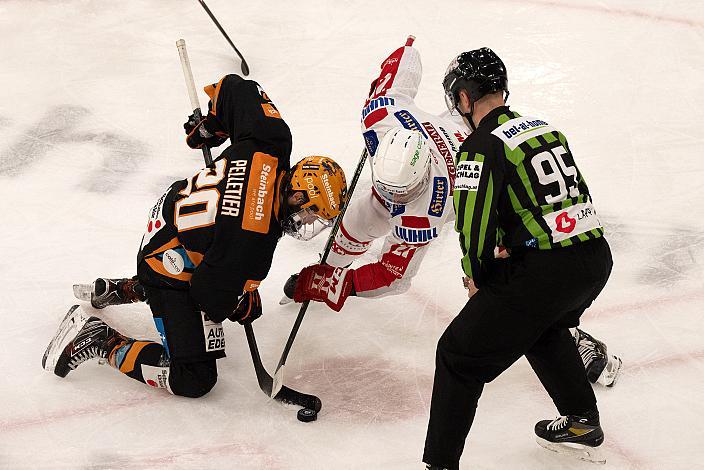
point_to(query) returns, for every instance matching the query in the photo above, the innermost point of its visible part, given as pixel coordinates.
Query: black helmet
(479, 72)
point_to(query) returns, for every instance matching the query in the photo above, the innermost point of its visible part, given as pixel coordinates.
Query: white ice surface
(90, 135)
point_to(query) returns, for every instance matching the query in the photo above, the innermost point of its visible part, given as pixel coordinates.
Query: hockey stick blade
(245, 67)
(284, 395)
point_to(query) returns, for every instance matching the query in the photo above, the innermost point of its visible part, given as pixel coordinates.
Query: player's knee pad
(194, 379)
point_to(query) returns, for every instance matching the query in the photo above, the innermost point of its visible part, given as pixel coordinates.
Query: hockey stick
(192, 95)
(245, 67)
(279, 373)
(284, 395)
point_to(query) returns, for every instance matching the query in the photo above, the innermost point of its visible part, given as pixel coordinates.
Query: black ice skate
(601, 366)
(576, 436)
(104, 292)
(79, 339)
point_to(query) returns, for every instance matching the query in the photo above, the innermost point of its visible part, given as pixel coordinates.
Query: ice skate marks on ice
(579, 451)
(70, 325)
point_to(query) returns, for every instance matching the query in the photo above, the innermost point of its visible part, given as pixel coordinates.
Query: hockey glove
(206, 131)
(248, 309)
(324, 283)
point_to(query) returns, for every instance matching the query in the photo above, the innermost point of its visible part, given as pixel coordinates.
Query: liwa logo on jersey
(377, 103)
(413, 235)
(522, 127)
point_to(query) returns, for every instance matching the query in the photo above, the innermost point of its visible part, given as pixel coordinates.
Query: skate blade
(285, 300)
(83, 291)
(70, 325)
(608, 376)
(579, 451)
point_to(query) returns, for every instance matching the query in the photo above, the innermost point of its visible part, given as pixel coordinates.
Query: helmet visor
(305, 224)
(451, 103)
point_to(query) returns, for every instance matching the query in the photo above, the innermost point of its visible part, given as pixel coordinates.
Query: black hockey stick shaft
(192, 95)
(245, 67)
(278, 374)
(285, 395)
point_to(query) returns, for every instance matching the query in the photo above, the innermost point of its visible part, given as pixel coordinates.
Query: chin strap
(468, 116)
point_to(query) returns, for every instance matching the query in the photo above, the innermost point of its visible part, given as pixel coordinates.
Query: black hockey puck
(307, 415)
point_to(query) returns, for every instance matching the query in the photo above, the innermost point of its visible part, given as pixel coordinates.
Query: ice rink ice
(90, 136)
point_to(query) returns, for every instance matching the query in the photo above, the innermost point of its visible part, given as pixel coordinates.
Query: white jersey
(408, 229)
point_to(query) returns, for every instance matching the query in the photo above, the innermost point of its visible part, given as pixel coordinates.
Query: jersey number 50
(200, 206)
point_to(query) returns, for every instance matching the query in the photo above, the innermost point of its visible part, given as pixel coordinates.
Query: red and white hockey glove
(324, 283)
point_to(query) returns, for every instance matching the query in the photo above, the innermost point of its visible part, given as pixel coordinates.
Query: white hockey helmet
(401, 166)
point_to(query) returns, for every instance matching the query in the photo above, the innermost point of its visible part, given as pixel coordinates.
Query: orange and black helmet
(324, 187)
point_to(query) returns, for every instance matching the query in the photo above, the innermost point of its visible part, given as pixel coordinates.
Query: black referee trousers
(525, 307)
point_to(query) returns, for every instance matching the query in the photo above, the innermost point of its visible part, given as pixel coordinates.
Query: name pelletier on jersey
(517, 184)
(215, 232)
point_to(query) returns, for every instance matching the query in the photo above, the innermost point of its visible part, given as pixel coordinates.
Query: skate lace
(587, 352)
(88, 353)
(558, 423)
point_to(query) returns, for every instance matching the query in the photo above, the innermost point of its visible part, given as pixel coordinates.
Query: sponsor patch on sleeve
(408, 121)
(571, 221)
(371, 140)
(260, 193)
(270, 111)
(437, 201)
(468, 175)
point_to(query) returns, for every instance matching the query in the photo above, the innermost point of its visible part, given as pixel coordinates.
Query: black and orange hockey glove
(248, 309)
(204, 132)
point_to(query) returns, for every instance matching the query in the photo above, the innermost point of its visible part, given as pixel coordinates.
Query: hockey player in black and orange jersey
(208, 244)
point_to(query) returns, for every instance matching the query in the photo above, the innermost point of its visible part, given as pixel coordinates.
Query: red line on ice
(53, 416)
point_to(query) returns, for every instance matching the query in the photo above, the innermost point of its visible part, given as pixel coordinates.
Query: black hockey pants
(525, 308)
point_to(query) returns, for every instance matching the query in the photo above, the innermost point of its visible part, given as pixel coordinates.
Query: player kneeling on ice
(413, 176)
(516, 177)
(209, 242)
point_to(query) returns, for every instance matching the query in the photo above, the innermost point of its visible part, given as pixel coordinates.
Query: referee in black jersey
(517, 185)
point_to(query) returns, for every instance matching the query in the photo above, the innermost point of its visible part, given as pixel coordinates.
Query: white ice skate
(69, 328)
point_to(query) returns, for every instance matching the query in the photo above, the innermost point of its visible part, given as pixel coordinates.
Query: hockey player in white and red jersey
(413, 171)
